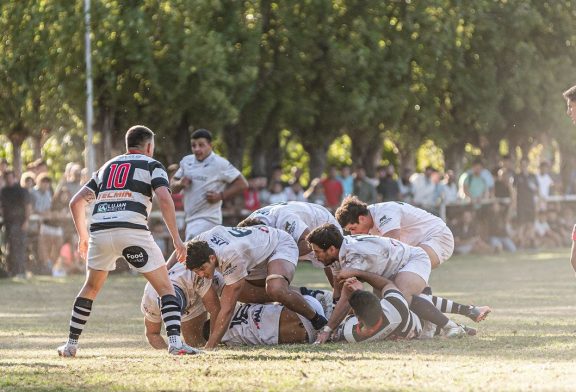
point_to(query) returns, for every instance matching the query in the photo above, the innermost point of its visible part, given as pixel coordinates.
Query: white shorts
(419, 264)
(198, 226)
(442, 244)
(137, 247)
(285, 250)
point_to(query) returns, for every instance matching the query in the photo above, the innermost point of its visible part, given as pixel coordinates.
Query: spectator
(277, 194)
(474, 185)
(332, 189)
(545, 184)
(363, 188)
(425, 188)
(449, 188)
(503, 185)
(263, 193)
(16, 208)
(177, 197)
(405, 186)
(497, 228)
(347, 180)
(296, 175)
(276, 177)
(315, 193)
(28, 181)
(545, 237)
(38, 167)
(466, 238)
(72, 178)
(526, 189)
(50, 234)
(294, 191)
(251, 195)
(388, 188)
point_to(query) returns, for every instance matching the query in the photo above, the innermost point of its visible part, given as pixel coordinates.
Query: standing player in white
(361, 256)
(196, 297)
(261, 255)
(411, 225)
(206, 180)
(122, 190)
(297, 218)
(570, 97)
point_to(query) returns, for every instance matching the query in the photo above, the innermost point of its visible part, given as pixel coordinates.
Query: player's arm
(152, 331)
(573, 254)
(212, 305)
(177, 184)
(236, 187)
(374, 280)
(171, 261)
(338, 314)
(303, 245)
(78, 209)
(228, 301)
(169, 214)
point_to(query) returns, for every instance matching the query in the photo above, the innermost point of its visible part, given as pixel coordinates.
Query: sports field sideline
(527, 343)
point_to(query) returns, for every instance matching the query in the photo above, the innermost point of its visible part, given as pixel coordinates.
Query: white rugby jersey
(212, 174)
(415, 224)
(379, 255)
(294, 217)
(399, 322)
(124, 187)
(241, 249)
(254, 324)
(192, 286)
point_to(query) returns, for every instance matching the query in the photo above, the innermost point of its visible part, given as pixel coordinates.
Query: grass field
(527, 343)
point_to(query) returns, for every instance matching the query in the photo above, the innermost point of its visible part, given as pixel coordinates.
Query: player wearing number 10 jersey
(121, 194)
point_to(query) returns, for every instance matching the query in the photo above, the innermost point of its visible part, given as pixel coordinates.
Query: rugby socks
(447, 306)
(80, 313)
(171, 314)
(318, 321)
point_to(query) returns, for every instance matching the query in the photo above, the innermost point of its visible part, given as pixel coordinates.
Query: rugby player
(570, 97)
(411, 225)
(367, 256)
(196, 296)
(297, 218)
(122, 190)
(261, 255)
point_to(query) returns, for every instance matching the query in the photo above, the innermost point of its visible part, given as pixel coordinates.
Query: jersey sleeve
(201, 285)
(158, 175)
(388, 219)
(94, 183)
(228, 172)
(233, 269)
(292, 225)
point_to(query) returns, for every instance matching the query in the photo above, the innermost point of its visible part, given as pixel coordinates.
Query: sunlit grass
(528, 342)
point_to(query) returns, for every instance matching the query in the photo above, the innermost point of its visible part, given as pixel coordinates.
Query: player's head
(367, 308)
(353, 216)
(250, 222)
(140, 138)
(201, 142)
(200, 258)
(570, 97)
(325, 242)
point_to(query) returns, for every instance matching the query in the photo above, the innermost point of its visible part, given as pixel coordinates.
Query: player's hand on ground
(322, 337)
(83, 248)
(180, 249)
(213, 197)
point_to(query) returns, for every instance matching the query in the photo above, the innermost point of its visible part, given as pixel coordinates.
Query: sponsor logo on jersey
(199, 178)
(229, 269)
(290, 227)
(135, 256)
(111, 207)
(257, 316)
(217, 240)
(384, 220)
(113, 195)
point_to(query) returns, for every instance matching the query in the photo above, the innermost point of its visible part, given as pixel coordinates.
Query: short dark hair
(137, 136)
(570, 94)
(197, 254)
(249, 222)
(350, 209)
(202, 134)
(366, 306)
(326, 236)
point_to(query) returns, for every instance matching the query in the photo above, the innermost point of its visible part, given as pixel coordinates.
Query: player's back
(248, 245)
(124, 188)
(379, 255)
(415, 224)
(254, 324)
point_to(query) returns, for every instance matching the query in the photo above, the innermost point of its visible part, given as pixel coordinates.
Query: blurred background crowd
(499, 208)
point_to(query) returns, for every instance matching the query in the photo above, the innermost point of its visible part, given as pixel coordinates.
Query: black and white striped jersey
(124, 187)
(398, 322)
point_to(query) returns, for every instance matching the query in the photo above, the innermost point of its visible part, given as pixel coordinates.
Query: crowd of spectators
(489, 211)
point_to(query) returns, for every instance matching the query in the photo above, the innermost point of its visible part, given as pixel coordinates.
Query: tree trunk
(235, 145)
(454, 157)
(17, 137)
(406, 159)
(366, 151)
(317, 153)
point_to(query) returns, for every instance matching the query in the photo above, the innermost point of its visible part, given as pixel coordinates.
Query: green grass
(527, 343)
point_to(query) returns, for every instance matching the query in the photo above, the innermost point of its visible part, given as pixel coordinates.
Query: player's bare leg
(192, 330)
(280, 274)
(254, 292)
(434, 259)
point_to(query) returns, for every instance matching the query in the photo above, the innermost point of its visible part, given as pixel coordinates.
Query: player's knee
(276, 286)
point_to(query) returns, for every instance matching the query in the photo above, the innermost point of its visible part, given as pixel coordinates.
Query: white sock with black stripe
(80, 314)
